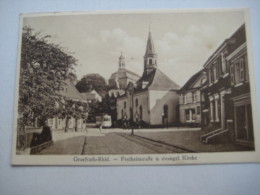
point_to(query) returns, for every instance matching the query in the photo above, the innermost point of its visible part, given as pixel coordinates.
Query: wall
(157, 100)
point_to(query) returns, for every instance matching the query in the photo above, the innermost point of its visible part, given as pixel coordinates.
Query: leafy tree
(69, 109)
(92, 81)
(44, 67)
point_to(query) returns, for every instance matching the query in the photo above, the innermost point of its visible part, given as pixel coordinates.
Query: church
(120, 79)
(153, 98)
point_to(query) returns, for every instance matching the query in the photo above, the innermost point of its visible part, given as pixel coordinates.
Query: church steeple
(121, 62)
(150, 57)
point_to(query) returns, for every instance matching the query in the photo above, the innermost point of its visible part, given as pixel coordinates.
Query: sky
(183, 41)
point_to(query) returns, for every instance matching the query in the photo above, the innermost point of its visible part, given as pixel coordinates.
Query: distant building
(91, 96)
(226, 105)
(68, 92)
(190, 99)
(121, 78)
(154, 99)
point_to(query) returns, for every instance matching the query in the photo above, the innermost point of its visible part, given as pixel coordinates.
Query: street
(144, 141)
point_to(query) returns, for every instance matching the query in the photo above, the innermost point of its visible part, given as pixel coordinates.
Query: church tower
(150, 57)
(121, 62)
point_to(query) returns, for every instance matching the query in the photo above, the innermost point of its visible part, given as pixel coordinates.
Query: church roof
(157, 80)
(150, 47)
(122, 73)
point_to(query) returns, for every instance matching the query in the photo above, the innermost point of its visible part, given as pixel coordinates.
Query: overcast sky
(183, 41)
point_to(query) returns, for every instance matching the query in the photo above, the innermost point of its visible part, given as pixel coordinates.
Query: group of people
(127, 124)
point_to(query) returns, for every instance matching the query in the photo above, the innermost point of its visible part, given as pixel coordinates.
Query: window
(212, 74)
(215, 72)
(242, 71)
(150, 61)
(223, 63)
(219, 64)
(239, 71)
(184, 98)
(203, 97)
(246, 69)
(198, 110)
(136, 102)
(209, 75)
(141, 113)
(190, 115)
(165, 110)
(194, 97)
(232, 78)
(124, 104)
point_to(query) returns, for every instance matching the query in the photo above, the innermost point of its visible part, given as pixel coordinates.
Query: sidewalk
(191, 140)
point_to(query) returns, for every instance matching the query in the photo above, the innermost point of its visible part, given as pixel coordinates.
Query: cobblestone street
(144, 141)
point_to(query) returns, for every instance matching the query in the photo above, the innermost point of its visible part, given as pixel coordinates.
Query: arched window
(165, 110)
(136, 102)
(150, 61)
(141, 113)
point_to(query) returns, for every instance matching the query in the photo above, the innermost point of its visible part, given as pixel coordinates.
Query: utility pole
(131, 94)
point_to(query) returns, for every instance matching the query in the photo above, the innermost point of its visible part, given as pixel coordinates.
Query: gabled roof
(157, 80)
(189, 84)
(88, 96)
(232, 43)
(70, 92)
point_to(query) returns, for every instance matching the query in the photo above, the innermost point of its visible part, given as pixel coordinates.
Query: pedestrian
(46, 133)
(100, 127)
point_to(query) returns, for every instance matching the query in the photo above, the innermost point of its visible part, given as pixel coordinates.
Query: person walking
(100, 127)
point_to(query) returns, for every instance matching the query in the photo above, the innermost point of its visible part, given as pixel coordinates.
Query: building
(69, 93)
(91, 96)
(121, 78)
(226, 105)
(153, 99)
(190, 99)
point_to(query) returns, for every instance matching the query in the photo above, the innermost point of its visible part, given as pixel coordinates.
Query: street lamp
(130, 90)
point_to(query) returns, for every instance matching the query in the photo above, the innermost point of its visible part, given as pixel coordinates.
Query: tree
(92, 81)
(44, 67)
(69, 108)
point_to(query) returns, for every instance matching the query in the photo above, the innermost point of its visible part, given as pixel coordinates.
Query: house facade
(153, 99)
(226, 100)
(91, 96)
(190, 99)
(69, 92)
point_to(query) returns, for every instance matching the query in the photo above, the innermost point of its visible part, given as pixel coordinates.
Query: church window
(136, 102)
(165, 110)
(141, 113)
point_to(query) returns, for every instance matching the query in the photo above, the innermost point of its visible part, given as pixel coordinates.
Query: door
(244, 123)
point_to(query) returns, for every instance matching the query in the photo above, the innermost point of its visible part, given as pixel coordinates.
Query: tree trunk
(76, 124)
(66, 123)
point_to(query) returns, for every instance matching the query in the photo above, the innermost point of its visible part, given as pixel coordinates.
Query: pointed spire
(150, 47)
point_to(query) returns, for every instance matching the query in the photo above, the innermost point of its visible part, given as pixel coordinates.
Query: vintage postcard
(156, 87)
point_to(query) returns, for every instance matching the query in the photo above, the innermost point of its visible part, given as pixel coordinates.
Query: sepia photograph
(135, 88)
